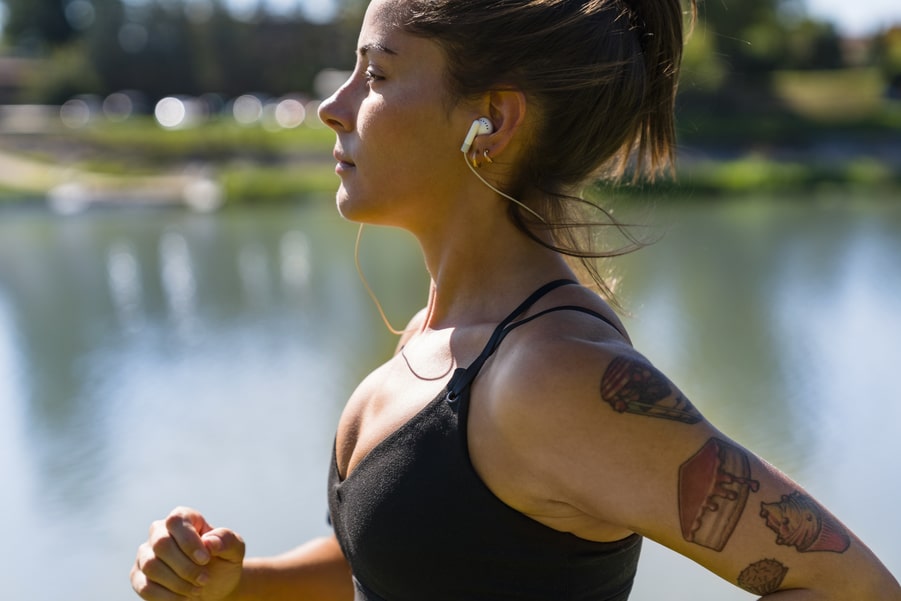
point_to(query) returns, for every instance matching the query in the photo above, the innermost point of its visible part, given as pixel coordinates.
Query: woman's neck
(479, 275)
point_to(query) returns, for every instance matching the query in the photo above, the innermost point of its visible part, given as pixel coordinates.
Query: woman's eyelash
(370, 76)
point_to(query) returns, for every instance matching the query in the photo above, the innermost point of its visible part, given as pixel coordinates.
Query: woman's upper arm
(625, 446)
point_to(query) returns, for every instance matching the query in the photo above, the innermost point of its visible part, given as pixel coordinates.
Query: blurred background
(181, 320)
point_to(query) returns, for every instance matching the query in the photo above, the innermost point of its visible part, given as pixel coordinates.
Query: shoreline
(218, 164)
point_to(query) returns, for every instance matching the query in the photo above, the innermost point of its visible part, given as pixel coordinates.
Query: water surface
(150, 359)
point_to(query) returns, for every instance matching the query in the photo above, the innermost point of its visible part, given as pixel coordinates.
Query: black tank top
(417, 523)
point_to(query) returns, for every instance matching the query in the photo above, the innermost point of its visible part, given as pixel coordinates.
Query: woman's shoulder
(573, 331)
(575, 406)
(574, 362)
(576, 313)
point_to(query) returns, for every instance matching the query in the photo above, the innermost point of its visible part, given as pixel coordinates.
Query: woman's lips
(344, 163)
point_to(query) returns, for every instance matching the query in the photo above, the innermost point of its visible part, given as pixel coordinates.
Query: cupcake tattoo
(800, 523)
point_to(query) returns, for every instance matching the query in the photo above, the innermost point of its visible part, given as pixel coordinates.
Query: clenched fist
(186, 558)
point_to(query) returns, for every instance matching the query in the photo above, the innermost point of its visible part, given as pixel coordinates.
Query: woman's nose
(335, 112)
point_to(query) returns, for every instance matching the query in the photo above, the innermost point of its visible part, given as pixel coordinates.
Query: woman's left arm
(621, 446)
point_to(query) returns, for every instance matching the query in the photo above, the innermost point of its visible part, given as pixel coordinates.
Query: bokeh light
(75, 113)
(170, 112)
(290, 113)
(118, 106)
(247, 109)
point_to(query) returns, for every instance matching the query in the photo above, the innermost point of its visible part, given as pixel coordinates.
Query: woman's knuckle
(143, 590)
(144, 553)
(174, 520)
(152, 566)
(160, 545)
(156, 526)
(140, 584)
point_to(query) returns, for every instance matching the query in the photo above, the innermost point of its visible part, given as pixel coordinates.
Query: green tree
(149, 51)
(735, 48)
(747, 35)
(352, 9)
(813, 45)
(34, 25)
(887, 56)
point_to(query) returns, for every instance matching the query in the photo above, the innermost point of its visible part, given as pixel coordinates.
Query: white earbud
(479, 127)
(482, 126)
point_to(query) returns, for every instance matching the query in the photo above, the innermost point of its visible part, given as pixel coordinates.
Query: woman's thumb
(224, 544)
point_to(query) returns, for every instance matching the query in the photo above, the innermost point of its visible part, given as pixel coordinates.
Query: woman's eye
(371, 76)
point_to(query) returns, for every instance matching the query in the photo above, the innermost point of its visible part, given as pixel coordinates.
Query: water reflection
(845, 324)
(126, 289)
(177, 276)
(151, 359)
(294, 251)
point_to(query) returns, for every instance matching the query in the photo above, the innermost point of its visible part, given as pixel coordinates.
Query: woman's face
(398, 146)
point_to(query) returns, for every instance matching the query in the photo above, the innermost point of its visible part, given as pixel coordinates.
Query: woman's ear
(507, 111)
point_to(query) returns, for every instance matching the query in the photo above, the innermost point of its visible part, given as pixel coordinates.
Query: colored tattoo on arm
(634, 386)
(800, 522)
(763, 577)
(714, 486)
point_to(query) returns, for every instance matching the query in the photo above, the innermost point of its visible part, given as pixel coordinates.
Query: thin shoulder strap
(526, 305)
(464, 376)
(577, 308)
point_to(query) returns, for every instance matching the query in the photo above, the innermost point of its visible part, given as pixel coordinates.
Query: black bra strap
(585, 310)
(463, 376)
(532, 299)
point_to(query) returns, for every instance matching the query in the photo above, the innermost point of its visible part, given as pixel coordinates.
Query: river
(151, 358)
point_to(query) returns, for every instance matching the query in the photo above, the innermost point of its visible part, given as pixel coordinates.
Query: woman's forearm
(316, 570)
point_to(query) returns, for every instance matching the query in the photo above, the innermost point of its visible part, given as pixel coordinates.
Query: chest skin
(383, 402)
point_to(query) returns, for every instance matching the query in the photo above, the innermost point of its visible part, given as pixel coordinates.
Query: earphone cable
(369, 290)
(507, 196)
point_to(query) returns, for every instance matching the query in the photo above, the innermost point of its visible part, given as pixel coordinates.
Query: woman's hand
(186, 558)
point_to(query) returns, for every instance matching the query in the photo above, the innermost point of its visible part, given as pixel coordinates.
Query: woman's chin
(351, 210)
(346, 207)
(369, 209)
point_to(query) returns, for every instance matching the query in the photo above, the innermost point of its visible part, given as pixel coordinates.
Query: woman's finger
(186, 527)
(150, 590)
(167, 551)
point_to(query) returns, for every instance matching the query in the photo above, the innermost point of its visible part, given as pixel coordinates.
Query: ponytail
(659, 25)
(602, 75)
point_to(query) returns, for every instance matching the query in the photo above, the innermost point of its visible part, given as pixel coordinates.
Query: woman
(516, 446)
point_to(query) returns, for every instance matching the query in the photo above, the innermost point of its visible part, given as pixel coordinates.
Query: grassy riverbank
(775, 154)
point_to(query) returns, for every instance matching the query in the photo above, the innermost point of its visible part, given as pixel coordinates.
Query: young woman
(516, 446)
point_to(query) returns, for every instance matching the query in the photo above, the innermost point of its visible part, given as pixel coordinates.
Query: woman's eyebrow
(366, 48)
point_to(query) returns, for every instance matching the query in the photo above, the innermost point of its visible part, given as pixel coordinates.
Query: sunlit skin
(399, 160)
(393, 130)
(554, 432)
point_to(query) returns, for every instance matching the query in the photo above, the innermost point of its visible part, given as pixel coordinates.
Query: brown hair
(602, 74)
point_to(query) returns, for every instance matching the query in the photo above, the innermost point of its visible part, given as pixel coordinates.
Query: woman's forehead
(384, 13)
(383, 31)
(380, 24)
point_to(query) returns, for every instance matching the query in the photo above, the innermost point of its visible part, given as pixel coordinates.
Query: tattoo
(633, 386)
(799, 522)
(714, 486)
(763, 577)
